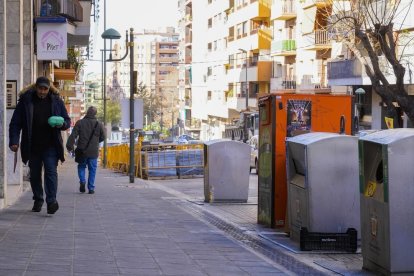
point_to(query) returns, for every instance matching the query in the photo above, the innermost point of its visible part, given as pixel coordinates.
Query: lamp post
(107, 34)
(247, 85)
(113, 34)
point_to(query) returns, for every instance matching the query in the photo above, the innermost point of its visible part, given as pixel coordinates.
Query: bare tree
(375, 32)
(150, 101)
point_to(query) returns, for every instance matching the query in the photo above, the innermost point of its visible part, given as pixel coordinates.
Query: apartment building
(185, 29)
(230, 60)
(156, 60)
(28, 28)
(300, 47)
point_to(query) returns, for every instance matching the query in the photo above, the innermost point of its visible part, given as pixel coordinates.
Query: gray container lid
(218, 141)
(312, 137)
(389, 136)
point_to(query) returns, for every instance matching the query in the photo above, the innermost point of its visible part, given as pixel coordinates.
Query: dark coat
(81, 133)
(23, 117)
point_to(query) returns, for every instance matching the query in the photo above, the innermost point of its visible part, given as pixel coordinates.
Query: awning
(64, 74)
(308, 22)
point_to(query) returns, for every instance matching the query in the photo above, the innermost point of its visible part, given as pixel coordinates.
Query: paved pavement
(158, 227)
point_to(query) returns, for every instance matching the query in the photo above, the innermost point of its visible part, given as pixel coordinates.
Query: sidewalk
(268, 242)
(123, 229)
(145, 228)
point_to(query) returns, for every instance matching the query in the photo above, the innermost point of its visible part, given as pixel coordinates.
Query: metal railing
(288, 6)
(321, 37)
(284, 83)
(310, 82)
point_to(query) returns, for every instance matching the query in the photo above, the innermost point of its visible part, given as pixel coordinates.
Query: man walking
(87, 133)
(40, 115)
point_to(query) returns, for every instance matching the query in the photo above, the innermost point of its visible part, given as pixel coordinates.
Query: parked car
(254, 153)
(185, 139)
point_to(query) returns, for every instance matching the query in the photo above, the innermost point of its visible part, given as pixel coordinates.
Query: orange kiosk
(284, 115)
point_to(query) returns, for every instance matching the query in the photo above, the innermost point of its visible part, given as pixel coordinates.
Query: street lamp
(113, 34)
(107, 34)
(247, 85)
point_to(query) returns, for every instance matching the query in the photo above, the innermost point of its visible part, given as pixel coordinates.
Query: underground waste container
(387, 201)
(323, 197)
(226, 171)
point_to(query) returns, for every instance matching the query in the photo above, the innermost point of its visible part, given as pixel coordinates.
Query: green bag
(55, 121)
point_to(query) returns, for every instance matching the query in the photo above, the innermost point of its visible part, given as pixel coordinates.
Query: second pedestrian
(87, 133)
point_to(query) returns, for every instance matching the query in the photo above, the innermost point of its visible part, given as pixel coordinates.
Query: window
(209, 95)
(210, 23)
(239, 30)
(244, 28)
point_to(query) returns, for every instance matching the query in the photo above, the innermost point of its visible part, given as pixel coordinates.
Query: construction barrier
(158, 161)
(171, 161)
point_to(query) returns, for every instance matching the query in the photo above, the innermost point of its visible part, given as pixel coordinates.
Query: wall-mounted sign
(11, 98)
(52, 41)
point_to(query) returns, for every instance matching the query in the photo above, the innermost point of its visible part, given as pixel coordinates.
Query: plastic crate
(329, 241)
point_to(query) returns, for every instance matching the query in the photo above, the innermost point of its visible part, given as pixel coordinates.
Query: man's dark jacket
(81, 133)
(22, 120)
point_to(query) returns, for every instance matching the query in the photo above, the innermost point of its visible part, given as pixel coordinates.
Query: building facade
(156, 60)
(231, 62)
(24, 55)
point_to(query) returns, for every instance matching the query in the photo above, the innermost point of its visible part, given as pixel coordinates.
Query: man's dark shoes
(37, 206)
(82, 187)
(91, 192)
(52, 207)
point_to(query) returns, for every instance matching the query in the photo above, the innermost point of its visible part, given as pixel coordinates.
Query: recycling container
(322, 179)
(226, 171)
(386, 161)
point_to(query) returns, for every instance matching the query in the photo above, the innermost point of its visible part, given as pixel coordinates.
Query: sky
(122, 15)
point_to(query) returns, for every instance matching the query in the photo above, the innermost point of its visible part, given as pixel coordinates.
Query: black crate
(329, 241)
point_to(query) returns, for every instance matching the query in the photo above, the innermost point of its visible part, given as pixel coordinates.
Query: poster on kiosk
(284, 115)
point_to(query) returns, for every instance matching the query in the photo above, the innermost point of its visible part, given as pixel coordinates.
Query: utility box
(226, 171)
(322, 179)
(386, 161)
(284, 115)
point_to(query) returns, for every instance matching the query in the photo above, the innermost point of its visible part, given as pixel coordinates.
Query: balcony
(286, 10)
(188, 40)
(188, 59)
(283, 47)
(188, 19)
(318, 3)
(317, 40)
(287, 84)
(316, 83)
(344, 69)
(256, 9)
(259, 39)
(70, 9)
(236, 103)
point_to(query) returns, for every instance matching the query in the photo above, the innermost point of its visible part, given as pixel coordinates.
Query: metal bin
(387, 201)
(226, 171)
(322, 179)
